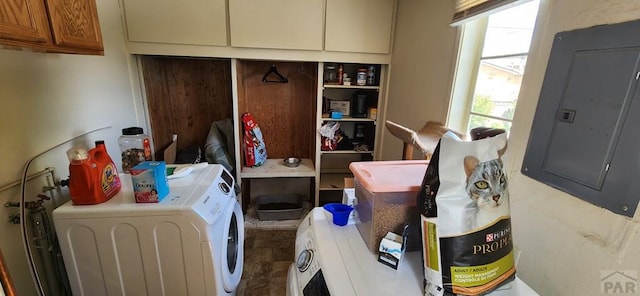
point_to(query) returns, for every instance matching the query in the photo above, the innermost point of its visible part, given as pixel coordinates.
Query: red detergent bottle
(93, 177)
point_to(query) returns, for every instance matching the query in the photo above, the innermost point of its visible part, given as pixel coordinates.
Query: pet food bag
(465, 220)
(255, 151)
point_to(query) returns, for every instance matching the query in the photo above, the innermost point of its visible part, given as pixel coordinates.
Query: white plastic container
(135, 147)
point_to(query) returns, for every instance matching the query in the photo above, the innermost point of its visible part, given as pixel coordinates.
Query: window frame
(470, 47)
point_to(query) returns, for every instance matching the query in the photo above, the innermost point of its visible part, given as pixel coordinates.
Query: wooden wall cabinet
(64, 26)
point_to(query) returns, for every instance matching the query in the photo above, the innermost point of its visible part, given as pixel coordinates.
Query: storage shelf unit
(287, 132)
(294, 131)
(288, 113)
(358, 125)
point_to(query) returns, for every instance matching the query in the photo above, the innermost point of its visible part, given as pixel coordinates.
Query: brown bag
(255, 151)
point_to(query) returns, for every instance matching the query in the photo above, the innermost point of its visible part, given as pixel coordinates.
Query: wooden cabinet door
(196, 22)
(359, 25)
(281, 24)
(75, 23)
(24, 20)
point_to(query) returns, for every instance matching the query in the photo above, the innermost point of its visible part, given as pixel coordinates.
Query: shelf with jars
(351, 97)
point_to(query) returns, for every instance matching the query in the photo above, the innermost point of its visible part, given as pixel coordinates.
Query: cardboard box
(373, 113)
(391, 250)
(150, 183)
(349, 198)
(342, 106)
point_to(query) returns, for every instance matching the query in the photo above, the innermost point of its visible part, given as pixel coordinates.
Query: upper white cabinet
(358, 31)
(280, 24)
(359, 25)
(195, 22)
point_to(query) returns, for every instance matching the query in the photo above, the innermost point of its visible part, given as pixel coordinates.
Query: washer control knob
(224, 187)
(304, 260)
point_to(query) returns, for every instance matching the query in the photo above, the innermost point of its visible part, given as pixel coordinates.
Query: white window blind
(466, 10)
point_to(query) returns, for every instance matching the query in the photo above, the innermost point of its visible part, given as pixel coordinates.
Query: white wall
(421, 67)
(566, 243)
(46, 99)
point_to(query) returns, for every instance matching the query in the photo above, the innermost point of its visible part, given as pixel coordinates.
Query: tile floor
(267, 256)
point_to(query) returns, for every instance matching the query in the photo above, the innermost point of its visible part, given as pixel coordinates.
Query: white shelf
(364, 119)
(274, 168)
(346, 152)
(352, 86)
(343, 171)
(333, 181)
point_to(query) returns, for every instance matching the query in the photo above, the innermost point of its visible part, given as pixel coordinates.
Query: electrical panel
(584, 138)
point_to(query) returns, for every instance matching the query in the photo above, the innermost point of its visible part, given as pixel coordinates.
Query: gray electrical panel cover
(584, 138)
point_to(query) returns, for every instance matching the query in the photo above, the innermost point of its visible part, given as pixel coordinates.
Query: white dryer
(190, 243)
(334, 260)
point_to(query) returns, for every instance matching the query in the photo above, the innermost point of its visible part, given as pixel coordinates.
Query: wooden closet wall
(285, 112)
(184, 96)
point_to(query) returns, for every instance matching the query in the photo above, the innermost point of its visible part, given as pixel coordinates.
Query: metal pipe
(8, 185)
(5, 279)
(24, 232)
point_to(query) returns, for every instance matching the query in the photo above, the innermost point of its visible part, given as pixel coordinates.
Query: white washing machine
(334, 260)
(190, 243)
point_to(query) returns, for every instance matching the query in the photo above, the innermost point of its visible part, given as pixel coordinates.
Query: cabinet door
(75, 23)
(285, 24)
(24, 20)
(196, 22)
(359, 25)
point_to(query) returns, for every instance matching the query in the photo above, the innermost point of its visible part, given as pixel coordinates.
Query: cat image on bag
(487, 187)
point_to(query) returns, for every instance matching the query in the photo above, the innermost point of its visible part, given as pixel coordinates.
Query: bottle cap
(131, 131)
(77, 153)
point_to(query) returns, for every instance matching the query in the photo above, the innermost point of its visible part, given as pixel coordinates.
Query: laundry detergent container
(387, 195)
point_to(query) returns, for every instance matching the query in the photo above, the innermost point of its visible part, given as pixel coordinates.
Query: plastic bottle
(340, 74)
(371, 75)
(330, 74)
(361, 77)
(93, 177)
(135, 147)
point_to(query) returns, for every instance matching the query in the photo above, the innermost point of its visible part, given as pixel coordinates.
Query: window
(493, 56)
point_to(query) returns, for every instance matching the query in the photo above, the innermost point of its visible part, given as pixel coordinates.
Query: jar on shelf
(330, 74)
(135, 147)
(361, 77)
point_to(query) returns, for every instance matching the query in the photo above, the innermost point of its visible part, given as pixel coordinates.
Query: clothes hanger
(274, 70)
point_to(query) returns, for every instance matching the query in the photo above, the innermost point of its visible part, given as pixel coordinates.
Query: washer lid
(183, 194)
(365, 274)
